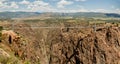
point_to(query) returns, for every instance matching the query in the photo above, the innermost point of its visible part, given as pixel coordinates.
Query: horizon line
(58, 12)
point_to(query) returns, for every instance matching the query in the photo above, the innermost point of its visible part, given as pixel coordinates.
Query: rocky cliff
(61, 46)
(100, 47)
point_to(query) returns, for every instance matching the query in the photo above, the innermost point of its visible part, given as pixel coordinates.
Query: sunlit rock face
(100, 47)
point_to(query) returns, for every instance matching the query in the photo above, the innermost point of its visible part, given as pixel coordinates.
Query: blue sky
(105, 6)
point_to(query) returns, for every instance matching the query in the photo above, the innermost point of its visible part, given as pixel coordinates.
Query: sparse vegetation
(1, 28)
(36, 44)
(27, 62)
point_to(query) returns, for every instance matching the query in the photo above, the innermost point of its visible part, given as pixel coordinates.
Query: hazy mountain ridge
(18, 14)
(77, 14)
(87, 14)
(113, 15)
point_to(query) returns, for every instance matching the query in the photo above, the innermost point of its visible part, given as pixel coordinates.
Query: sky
(104, 6)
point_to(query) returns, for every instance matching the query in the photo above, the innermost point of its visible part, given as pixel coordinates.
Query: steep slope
(102, 47)
(6, 48)
(61, 45)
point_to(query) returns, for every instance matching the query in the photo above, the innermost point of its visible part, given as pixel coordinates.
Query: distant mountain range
(18, 14)
(78, 14)
(86, 14)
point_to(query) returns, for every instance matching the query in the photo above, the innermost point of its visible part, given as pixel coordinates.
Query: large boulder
(9, 36)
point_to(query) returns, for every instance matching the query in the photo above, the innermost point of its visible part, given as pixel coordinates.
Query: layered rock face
(100, 47)
(64, 45)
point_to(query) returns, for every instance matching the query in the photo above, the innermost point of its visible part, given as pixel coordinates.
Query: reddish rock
(101, 47)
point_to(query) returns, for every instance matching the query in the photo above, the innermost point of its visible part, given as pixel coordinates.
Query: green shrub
(1, 28)
(27, 62)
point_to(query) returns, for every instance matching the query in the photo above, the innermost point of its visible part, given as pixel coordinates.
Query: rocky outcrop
(100, 47)
(65, 45)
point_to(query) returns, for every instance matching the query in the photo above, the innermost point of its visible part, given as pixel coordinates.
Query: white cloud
(40, 6)
(80, 0)
(99, 10)
(25, 2)
(13, 5)
(54, 0)
(117, 11)
(2, 0)
(46, 7)
(106, 11)
(37, 4)
(63, 3)
(8, 5)
(1, 3)
(70, 10)
(73, 11)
